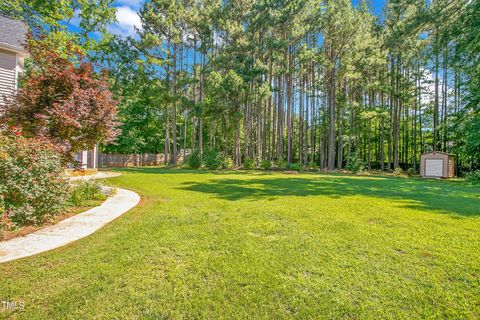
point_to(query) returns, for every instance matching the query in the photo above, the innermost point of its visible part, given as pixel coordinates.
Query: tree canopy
(314, 82)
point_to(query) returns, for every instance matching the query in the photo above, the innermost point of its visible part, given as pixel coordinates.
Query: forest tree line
(314, 82)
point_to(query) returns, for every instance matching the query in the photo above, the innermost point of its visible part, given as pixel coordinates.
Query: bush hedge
(31, 179)
(213, 159)
(249, 164)
(266, 164)
(281, 164)
(228, 163)
(473, 177)
(355, 164)
(295, 167)
(398, 172)
(84, 191)
(194, 160)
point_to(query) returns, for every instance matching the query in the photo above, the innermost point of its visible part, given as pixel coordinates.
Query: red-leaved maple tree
(64, 100)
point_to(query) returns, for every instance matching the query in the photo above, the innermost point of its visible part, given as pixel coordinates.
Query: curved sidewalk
(71, 229)
(98, 175)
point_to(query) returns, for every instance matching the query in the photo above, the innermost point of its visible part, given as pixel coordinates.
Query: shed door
(434, 168)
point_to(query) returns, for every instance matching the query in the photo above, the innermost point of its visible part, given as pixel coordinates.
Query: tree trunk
(174, 109)
(200, 98)
(396, 119)
(301, 123)
(280, 119)
(331, 111)
(436, 105)
(445, 98)
(289, 112)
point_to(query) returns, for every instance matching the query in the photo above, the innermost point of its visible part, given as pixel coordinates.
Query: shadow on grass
(410, 193)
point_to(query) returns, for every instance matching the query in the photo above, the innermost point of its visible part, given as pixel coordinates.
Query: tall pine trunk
(174, 109)
(331, 110)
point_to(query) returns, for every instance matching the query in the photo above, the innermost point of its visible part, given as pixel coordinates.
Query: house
(87, 159)
(13, 36)
(437, 164)
(12, 55)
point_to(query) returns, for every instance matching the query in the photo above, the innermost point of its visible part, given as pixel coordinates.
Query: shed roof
(13, 34)
(435, 152)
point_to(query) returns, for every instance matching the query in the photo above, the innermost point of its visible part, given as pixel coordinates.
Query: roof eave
(435, 152)
(21, 52)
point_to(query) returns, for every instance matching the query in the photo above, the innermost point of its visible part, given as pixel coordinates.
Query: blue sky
(376, 5)
(127, 14)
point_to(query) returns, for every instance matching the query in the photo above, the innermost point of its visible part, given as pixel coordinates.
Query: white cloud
(428, 86)
(127, 19)
(75, 21)
(427, 83)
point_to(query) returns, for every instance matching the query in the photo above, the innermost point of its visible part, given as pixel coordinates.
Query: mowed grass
(236, 245)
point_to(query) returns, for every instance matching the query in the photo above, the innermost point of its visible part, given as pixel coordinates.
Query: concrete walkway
(71, 229)
(98, 175)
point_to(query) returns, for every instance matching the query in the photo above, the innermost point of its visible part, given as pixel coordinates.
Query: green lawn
(258, 245)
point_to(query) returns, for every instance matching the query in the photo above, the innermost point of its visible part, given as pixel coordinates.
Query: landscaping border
(71, 229)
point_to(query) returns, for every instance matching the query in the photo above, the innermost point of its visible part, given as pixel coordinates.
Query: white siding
(8, 63)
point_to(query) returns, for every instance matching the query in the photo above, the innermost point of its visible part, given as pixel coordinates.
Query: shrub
(398, 172)
(84, 191)
(249, 164)
(355, 164)
(473, 177)
(312, 165)
(266, 164)
(194, 160)
(213, 159)
(295, 167)
(227, 163)
(31, 180)
(5, 221)
(282, 164)
(410, 172)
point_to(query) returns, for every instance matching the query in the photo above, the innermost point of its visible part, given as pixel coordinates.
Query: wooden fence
(116, 160)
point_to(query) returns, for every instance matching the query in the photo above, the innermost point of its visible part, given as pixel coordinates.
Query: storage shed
(437, 165)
